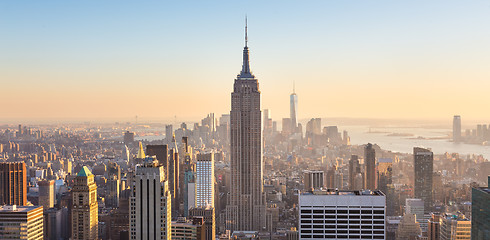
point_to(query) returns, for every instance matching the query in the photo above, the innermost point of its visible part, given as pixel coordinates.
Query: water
(405, 144)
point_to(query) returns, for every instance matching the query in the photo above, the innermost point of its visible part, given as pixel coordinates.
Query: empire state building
(246, 209)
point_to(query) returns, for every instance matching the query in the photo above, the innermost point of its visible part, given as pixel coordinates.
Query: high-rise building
(480, 212)
(128, 137)
(434, 227)
(85, 207)
(53, 223)
(169, 133)
(354, 170)
(46, 193)
(205, 180)
(21, 222)
(286, 126)
(334, 214)
(161, 153)
(150, 203)
(423, 168)
(313, 179)
(208, 215)
(293, 110)
(370, 166)
(112, 188)
(457, 128)
(455, 226)
(13, 183)
(246, 207)
(174, 174)
(385, 174)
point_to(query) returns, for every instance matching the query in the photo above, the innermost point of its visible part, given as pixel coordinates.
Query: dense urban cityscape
(236, 176)
(243, 174)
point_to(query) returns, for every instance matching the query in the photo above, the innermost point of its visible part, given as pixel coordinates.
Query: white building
(333, 214)
(150, 203)
(205, 180)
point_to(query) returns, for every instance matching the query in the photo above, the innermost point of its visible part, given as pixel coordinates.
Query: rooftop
(85, 172)
(344, 192)
(14, 208)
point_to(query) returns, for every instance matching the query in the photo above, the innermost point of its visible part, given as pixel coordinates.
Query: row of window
(305, 216)
(339, 226)
(333, 211)
(368, 226)
(343, 231)
(341, 236)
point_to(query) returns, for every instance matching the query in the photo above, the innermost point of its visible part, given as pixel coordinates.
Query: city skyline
(232, 173)
(101, 67)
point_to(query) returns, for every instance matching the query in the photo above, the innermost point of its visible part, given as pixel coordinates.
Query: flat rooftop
(344, 192)
(7, 208)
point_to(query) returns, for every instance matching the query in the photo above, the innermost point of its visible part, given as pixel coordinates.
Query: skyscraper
(205, 180)
(85, 207)
(457, 128)
(354, 170)
(46, 193)
(293, 110)
(173, 174)
(370, 165)
(423, 168)
(13, 183)
(169, 133)
(246, 206)
(480, 212)
(150, 203)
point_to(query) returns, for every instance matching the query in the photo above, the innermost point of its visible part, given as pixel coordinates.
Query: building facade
(205, 180)
(313, 179)
(480, 212)
(370, 166)
(46, 193)
(455, 227)
(150, 203)
(423, 168)
(13, 183)
(331, 214)
(457, 128)
(21, 222)
(246, 204)
(85, 207)
(208, 215)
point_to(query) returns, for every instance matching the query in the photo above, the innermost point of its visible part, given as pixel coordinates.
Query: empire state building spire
(245, 73)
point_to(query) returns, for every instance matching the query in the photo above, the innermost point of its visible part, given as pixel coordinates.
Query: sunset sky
(158, 59)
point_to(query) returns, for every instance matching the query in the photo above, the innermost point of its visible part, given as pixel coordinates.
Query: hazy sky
(158, 59)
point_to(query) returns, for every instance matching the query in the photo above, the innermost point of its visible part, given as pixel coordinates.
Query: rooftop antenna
(246, 36)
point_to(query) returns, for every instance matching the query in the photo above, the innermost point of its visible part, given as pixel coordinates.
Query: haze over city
(274, 120)
(108, 61)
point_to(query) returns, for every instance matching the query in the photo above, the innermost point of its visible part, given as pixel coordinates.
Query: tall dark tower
(246, 207)
(423, 168)
(370, 162)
